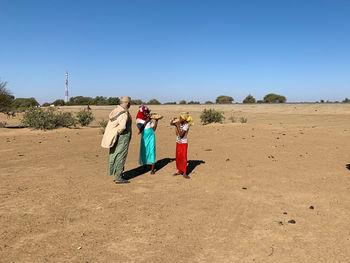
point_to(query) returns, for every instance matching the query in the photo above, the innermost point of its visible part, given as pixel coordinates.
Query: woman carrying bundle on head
(148, 141)
(182, 128)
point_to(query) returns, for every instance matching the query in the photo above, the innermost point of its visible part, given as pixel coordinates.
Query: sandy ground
(247, 181)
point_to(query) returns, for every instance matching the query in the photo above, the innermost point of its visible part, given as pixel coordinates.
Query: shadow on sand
(192, 164)
(142, 170)
(348, 166)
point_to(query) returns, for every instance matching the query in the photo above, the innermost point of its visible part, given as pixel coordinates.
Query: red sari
(181, 157)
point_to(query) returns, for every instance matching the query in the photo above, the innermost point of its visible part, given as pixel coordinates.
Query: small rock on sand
(311, 207)
(292, 221)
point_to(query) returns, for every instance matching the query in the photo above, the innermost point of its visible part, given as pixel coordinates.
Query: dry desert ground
(248, 181)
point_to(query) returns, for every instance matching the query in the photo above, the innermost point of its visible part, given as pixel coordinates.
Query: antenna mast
(66, 94)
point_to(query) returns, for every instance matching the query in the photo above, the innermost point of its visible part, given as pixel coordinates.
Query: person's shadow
(348, 166)
(192, 164)
(128, 175)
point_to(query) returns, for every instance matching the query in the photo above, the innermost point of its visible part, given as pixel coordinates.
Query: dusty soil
(57, 203)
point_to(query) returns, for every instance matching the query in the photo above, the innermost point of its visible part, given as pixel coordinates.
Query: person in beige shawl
(117, 137)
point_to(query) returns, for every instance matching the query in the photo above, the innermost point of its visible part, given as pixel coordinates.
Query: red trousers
(181, 157)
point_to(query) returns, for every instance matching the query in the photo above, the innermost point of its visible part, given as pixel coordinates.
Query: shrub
(46, 104)
(103, 125)
(3, 124)
(136, 102)
(211, 115)
(23, 103)
(182, 102)
(113, 101)
(208, 102)
(243, 120)
(85, 117)
(224, 99)
(346, 100)
(153, 102)
(194, 102)
(59, 102)
(65, 119)
(249, 99)
(170, 103)
(48, 119)
(274, 98)
(6, 99)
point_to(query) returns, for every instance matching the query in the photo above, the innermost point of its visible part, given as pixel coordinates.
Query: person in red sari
(182, 129)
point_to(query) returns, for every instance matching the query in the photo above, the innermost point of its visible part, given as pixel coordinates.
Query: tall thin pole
(66, 94)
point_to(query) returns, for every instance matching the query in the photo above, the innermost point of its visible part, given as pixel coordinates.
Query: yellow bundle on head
(187, 118)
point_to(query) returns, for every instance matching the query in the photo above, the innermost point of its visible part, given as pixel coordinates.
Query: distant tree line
(8, 103)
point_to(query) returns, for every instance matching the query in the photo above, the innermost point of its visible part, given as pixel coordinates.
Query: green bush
(103, 125)
(6, 98)
(211, 115)
(59, 102)
(274, 98)
(113, 101)
(249, 99)
(3, 124)
(85, 117)
(153, 102)
(193, 102)
(170, 103)
(243, 120)
(224, 99)
(136, 102)
(208, 102)
(182, 102)
(65, 119)
(21, 104)
(346, 100)
(48, 119)
(46, 104)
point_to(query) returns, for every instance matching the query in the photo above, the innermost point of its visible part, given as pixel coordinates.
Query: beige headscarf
(121, 107)
(124, 101)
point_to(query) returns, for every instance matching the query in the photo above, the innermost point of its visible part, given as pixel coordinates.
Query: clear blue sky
(172, 50)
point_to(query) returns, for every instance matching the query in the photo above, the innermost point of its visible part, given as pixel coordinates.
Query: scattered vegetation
(153, 102)
(193, 102)
(21, 104)
(243, 120)
(224, 99)
(232, 118)
(274, 98)
(59, 102)
(42, 119)
(3, 124)
(6, 98)
(210, 116)
(182, 102)
(136, 102)
(170, 103)
(103, 125)
(85, 117)
(209, 102)
(249, 99)
(346, 100)
(98, 100)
